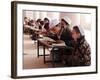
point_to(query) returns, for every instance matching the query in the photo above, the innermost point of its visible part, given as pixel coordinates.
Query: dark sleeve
(85, 53)
(67, 37)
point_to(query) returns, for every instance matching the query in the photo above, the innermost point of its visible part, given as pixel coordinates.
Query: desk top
(48, 42)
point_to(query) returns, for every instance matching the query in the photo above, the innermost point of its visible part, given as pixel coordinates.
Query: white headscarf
(67, 19)
(53, 23)
(81, 30)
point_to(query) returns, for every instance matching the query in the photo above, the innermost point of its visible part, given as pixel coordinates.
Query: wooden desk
(49, 43)
(46, 43)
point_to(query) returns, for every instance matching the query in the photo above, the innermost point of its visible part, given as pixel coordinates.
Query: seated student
(58, 34)
(36, 27)
(65, 35)
(46, 23)
(54, 29)
(65, 32)
(26, 27)
(45, 26)
(26, 20)
(37, 23)
(82, 52)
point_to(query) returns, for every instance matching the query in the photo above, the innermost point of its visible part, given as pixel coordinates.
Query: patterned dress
(82, 53)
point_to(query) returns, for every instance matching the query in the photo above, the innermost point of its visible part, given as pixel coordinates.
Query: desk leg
(53, 62)
(37, 48)
(44, 54)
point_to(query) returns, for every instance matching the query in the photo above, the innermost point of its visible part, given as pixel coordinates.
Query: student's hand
(58, 37)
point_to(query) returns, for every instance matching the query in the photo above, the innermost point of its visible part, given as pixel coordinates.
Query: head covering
(81, 30)
(67, 19)
(54, 22)
(47, 19)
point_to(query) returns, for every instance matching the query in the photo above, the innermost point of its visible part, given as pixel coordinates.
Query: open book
(47, 39)
(59, 44)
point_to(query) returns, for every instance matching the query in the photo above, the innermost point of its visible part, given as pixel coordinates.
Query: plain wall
(82, 19)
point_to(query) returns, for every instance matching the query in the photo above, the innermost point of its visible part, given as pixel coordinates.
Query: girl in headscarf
(82, 52)
(65, 32)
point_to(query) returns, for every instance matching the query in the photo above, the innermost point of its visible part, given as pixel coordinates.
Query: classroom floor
(30, 59)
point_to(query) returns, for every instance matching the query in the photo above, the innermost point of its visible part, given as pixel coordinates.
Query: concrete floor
(30, 59)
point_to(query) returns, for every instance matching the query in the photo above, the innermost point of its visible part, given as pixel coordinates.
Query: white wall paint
(5, 40)
(76, 18)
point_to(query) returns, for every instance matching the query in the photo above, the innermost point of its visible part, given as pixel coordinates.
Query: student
(54, 29)
(62, 54)
(46, 23)
(37, 23)
(26, 27)
(82, 52)
(65, 32)
(26, 20)
(65, 35)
